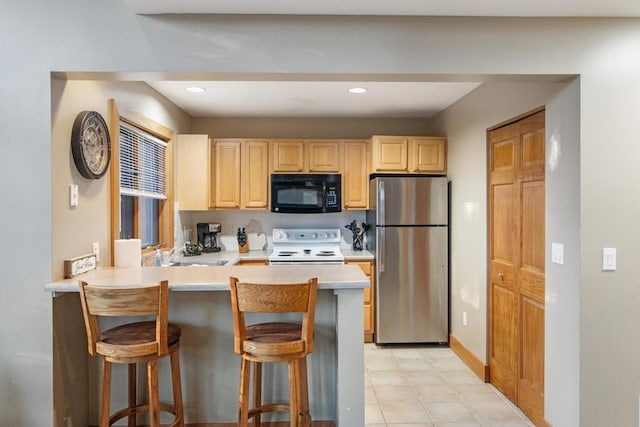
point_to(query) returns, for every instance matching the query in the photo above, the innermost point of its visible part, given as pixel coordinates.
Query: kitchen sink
(212, 263)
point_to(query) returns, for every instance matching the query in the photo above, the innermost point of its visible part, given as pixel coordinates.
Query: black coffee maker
(208, 236)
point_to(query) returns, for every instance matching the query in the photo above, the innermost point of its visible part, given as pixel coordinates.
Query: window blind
(142, 163)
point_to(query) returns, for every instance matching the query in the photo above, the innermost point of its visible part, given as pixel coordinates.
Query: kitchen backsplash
(262, 221)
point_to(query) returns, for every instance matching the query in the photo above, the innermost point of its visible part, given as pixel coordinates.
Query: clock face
(90, 144)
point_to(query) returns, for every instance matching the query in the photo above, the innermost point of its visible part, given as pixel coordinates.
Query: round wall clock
(90, 144)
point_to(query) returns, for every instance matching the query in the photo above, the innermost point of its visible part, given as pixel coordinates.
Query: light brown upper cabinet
(324, 156)
(287, 155)
(355, 176)
(302, 156)
(389, 153)
(195, 172)
(227, 173)
(408, 154)
(427, 155)
(254, 174)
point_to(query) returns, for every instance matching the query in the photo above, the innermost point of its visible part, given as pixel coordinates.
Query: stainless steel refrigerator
(408, 221)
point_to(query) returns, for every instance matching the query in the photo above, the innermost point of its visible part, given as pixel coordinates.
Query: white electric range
(306, 246)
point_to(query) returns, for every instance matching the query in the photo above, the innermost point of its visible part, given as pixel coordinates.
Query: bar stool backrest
(112, 301)
(273, 298)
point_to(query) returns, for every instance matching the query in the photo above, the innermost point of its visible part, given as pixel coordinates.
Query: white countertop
(232, 257)
(198, 278)
(350, 254)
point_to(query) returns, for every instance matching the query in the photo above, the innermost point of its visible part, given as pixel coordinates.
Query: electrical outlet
(465, 318)
(96, 250)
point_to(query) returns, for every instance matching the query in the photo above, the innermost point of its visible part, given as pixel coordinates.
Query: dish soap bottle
(158, 258)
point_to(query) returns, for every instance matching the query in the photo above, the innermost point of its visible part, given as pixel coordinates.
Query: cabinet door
(194, 174)
(252, 262)
(287, 155)
(427, 154)
(227, 174)
(369, 299)
(389, 153)
(355, 182)
(255, 174)
(324, 156)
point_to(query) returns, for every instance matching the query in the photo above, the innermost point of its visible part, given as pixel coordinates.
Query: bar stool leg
(257, 393)
(177, 387)
(243, 396)
(294, 393)
(305, 416)
(152, 376)
(132, 393)
(106, 393)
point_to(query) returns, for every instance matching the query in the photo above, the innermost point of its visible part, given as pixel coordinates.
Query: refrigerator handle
(381, 203)
(381, 249)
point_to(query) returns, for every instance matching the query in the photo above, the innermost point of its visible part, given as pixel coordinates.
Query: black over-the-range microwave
(305, 193)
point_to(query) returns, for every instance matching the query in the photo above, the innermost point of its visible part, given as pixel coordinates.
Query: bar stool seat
(273, 342)
(132, 343)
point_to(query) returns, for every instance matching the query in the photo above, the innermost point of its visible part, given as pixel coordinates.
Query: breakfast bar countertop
(205, 278)
(336, 365)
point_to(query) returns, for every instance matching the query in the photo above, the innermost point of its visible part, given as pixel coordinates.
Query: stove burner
(286, 253)
(326, 253)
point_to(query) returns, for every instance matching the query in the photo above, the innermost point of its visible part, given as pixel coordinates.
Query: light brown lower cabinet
(369, 298)
(252, 262)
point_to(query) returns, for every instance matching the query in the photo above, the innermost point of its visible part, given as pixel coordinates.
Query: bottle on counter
(158, 258)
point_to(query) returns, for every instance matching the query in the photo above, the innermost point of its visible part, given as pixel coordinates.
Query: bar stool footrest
(144, 408)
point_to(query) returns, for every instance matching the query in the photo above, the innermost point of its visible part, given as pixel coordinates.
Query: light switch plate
(73, 195)
(95, 248)
(557, 253)
(608, 259)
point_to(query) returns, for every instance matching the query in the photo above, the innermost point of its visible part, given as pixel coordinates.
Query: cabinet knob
(501, 275)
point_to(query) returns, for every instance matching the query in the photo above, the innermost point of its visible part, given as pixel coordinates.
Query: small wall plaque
(78, 265)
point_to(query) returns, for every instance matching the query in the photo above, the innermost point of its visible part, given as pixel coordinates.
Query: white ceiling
(312, 98)
(617, 8)
(331, 99)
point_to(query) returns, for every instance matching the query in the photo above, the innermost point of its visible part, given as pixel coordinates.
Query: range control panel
(293, 235)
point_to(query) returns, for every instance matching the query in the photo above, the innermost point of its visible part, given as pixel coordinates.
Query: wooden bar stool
(273, 342)
(132, 343)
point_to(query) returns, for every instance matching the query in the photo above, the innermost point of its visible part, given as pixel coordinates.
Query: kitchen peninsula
(210, 369)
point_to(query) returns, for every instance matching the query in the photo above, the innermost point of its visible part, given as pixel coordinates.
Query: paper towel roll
(127, 253)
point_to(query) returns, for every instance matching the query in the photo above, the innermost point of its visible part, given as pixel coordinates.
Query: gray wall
(75, 229)
(562, 305)
(357, 128)
(76, 35)
(465, 123)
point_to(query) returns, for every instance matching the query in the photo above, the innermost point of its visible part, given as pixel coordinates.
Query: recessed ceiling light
(357, 90)
(195, 89)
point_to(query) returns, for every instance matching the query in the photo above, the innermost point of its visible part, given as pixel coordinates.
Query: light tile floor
(426, 386)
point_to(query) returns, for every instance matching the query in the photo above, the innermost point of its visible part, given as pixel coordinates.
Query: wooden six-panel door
(516, 262)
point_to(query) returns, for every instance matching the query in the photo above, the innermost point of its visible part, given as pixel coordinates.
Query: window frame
(166, 212)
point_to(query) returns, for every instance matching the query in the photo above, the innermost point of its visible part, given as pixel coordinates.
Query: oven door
(304, 194)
